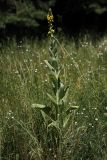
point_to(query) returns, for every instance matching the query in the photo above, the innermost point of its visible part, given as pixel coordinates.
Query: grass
(24, 80)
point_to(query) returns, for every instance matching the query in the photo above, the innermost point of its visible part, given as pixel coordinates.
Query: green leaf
(52, 99)
(54, 63)
(49, 65)
(56, 84)
(54, 124)
(41, 106)
(64, 99)
(63, 92)
(46, 117)
(54, 72)
(66, 120)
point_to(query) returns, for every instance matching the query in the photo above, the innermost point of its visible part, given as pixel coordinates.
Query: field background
(81, 37)
(24, 80)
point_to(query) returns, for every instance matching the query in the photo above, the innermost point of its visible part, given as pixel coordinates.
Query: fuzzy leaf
(54, 124)
(66, 120)
(56, 84)
(53, 71)
(50, 66)
(56, 74)
(41, 106)
(54, 63)
(52, 99)
(62, 92)
(64, 99)
(46, 117)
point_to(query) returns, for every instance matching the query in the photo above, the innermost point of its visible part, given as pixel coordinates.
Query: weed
(28, 75)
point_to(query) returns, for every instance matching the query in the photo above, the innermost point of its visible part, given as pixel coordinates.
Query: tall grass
(24, 80)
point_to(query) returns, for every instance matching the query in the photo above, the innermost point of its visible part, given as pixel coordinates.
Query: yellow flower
(50, 19)
(50, 16)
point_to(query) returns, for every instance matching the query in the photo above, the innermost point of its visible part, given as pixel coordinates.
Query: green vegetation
(25, 80)
(57, 115)
(28, 17)
(23, 14)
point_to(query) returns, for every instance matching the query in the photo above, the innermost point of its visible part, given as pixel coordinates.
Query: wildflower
(96, 119)
(75, 123)
(30, 60)
(25, 60)
(16, 72)
(50, 16)
(50, 19)
(90, 124)
(36, 70)
(27, 50)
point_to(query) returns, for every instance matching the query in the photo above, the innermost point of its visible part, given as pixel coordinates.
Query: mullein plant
(58, 118)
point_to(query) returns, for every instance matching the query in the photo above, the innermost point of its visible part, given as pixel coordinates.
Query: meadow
(24, 80)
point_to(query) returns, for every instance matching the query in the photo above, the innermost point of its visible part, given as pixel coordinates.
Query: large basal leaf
(41, 106)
